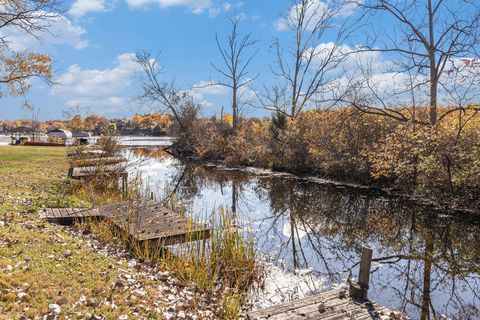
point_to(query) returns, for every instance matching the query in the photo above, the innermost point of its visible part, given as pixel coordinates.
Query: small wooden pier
(144, 220)
(335, 304)
(96, 161)
(86, 153)
(93, 163)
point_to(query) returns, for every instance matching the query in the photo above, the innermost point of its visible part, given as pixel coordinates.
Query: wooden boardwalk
(144, 220)
(335, 304)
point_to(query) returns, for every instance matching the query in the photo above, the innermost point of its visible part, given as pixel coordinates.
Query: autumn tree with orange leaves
(30, 17)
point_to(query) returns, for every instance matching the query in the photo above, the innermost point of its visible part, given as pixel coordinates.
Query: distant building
(22, 134)
(81, 134)
(60, 133)
(82, 137)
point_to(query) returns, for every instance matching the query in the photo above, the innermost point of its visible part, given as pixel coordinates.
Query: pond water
(425, 263)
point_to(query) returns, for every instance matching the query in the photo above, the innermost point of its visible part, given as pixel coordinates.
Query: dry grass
(41, 260)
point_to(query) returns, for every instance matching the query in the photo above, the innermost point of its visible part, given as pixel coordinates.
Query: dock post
(92, 196)
(360, 289)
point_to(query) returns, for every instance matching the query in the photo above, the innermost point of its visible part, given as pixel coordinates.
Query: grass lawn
(40, 263)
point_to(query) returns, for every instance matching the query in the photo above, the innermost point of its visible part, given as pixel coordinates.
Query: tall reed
(224, 262)
(220, 258)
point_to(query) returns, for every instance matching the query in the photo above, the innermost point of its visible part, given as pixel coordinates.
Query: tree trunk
(433, 66)
(234, 110)
(433, 101)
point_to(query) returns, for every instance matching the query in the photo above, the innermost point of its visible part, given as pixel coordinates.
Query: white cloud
(194, 6)
(378, 79)
(316, 10)
(209, 88)
(226, 6)
(204, 92)
(216, 10)
(97, 87)
(109, 101)
(350, 57)
(60, 31)
(206, 88)
(81, 7)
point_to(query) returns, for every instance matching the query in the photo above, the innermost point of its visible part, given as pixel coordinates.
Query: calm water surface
(426, 263)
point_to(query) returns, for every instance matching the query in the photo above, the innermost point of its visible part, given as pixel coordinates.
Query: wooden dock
(91, 163)
(144, 220)
(109, 170)
(86, 153)
(96, 161)
(335, 304)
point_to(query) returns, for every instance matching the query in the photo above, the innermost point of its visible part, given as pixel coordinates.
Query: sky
(93, 44)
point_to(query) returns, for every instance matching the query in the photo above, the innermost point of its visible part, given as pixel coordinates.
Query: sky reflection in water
(427, 264)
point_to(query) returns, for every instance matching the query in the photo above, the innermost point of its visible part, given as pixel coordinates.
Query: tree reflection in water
(425, 263)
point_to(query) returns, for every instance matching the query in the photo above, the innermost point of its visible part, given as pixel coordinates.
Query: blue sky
(93, 44)
(99, 43)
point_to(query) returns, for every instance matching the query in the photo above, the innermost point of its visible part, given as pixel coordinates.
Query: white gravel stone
(55, 308)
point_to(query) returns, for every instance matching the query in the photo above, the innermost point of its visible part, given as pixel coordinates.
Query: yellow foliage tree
(76, 123)
(17, 67)
(227, 118)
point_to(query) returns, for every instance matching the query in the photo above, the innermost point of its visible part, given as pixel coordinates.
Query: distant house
(22, 129)
(82, 137)
(81, 134)
(22, 134)
(60, 133)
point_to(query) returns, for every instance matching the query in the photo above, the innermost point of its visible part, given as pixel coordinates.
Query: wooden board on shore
(96, 161)
(144, 220)
(67, 213)
(103, 170)
(86, 153)
(327, 305)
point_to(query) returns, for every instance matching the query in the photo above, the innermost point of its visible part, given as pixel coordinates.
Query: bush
(347, 145)
(440, 161)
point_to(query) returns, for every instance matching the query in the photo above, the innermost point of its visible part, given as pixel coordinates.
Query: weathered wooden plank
(144, 220)
(286, 307)
(97, 161)
(113, 170)
(60, 213)
(86, 153)
(333, 308)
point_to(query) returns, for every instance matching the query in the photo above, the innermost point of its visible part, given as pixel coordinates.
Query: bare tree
(309, 66)
(427, 36)
(160, 92)
(236, 61)
(35, 124)
(29, 16)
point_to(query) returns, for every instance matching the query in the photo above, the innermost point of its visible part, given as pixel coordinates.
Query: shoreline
(442, 207)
